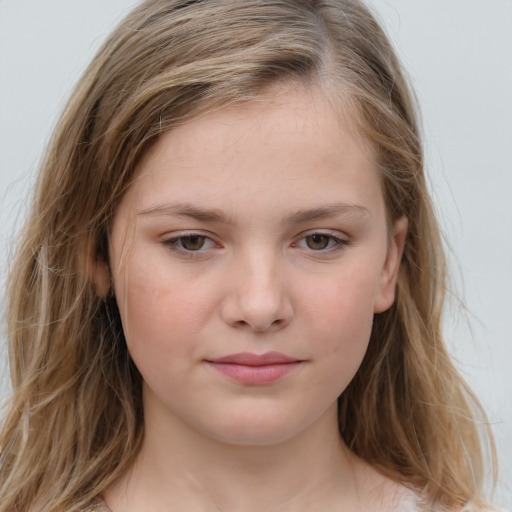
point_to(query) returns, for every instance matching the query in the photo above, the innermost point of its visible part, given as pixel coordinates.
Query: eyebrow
(329, 211)
(218, 216)
(191, 211)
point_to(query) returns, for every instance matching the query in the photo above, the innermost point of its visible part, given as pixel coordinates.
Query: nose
(258, 298)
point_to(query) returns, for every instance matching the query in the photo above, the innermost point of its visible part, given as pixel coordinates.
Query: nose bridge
(260, 279)
(259, 298)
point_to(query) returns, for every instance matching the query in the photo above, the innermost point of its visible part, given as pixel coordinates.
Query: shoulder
(411, 501)
(98, 506)
(476, 508)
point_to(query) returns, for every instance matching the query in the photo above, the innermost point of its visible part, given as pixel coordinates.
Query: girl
(228, 293)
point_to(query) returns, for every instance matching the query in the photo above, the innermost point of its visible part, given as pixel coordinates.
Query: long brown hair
(75, 420)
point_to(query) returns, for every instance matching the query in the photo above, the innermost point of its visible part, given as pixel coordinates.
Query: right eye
(319, 241)
(190, 243)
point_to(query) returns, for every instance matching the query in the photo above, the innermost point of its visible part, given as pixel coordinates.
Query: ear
(101, 277)
(386, 292)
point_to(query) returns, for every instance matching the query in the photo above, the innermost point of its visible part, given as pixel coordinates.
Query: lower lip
(255, 375)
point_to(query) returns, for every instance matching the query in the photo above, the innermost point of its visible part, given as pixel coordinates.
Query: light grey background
(459, 57)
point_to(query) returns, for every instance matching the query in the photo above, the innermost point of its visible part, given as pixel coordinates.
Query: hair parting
(75, 420)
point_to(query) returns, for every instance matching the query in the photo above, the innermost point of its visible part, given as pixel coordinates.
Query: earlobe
(386, 292)
(101, 277)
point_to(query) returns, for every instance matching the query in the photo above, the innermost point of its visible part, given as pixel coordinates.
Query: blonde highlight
(75, 421)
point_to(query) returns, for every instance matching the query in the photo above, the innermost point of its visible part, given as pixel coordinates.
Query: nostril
(263, 327)
(258, 305)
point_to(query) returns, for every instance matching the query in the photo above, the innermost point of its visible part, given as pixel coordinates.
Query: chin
(257, 429)
(253, 436)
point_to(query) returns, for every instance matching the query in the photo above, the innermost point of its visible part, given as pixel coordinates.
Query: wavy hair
(75, 419)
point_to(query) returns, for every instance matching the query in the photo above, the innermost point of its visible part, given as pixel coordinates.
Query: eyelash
(176, 243)
(334, 243)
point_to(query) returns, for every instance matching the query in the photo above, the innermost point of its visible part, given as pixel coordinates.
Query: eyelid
(170, 240)
(342, 239)
(188, 232)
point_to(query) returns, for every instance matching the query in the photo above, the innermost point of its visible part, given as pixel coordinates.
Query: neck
(180, 469)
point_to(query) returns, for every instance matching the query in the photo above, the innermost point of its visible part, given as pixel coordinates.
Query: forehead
(290, 139)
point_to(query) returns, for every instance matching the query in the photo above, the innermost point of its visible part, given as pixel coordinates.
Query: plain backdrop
(459, 56)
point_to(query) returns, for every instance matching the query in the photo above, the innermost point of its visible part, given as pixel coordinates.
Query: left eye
(319, 242)
(190, 243)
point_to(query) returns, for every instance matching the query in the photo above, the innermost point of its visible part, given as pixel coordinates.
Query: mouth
(255, 369)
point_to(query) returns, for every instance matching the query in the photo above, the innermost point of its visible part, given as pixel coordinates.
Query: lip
(255, 369)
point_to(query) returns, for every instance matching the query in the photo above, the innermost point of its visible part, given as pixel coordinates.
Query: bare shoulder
(469, 507)
(381, 493)
(487, 508)
(404, 499)
(98, 506)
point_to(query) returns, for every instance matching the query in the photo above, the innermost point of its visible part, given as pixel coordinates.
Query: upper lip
(250, 359)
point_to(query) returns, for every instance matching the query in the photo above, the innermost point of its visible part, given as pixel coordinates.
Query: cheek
(161, 312)
(341, 318)
(156, 294)
(344, 300)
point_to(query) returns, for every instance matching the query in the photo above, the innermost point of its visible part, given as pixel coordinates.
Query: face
(248, 260)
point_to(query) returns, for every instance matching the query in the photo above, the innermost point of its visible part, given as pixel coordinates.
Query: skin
(252, 229)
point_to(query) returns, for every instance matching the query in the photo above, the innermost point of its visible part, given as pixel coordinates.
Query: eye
(321, 242)
(318, 242)
(190, 243)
